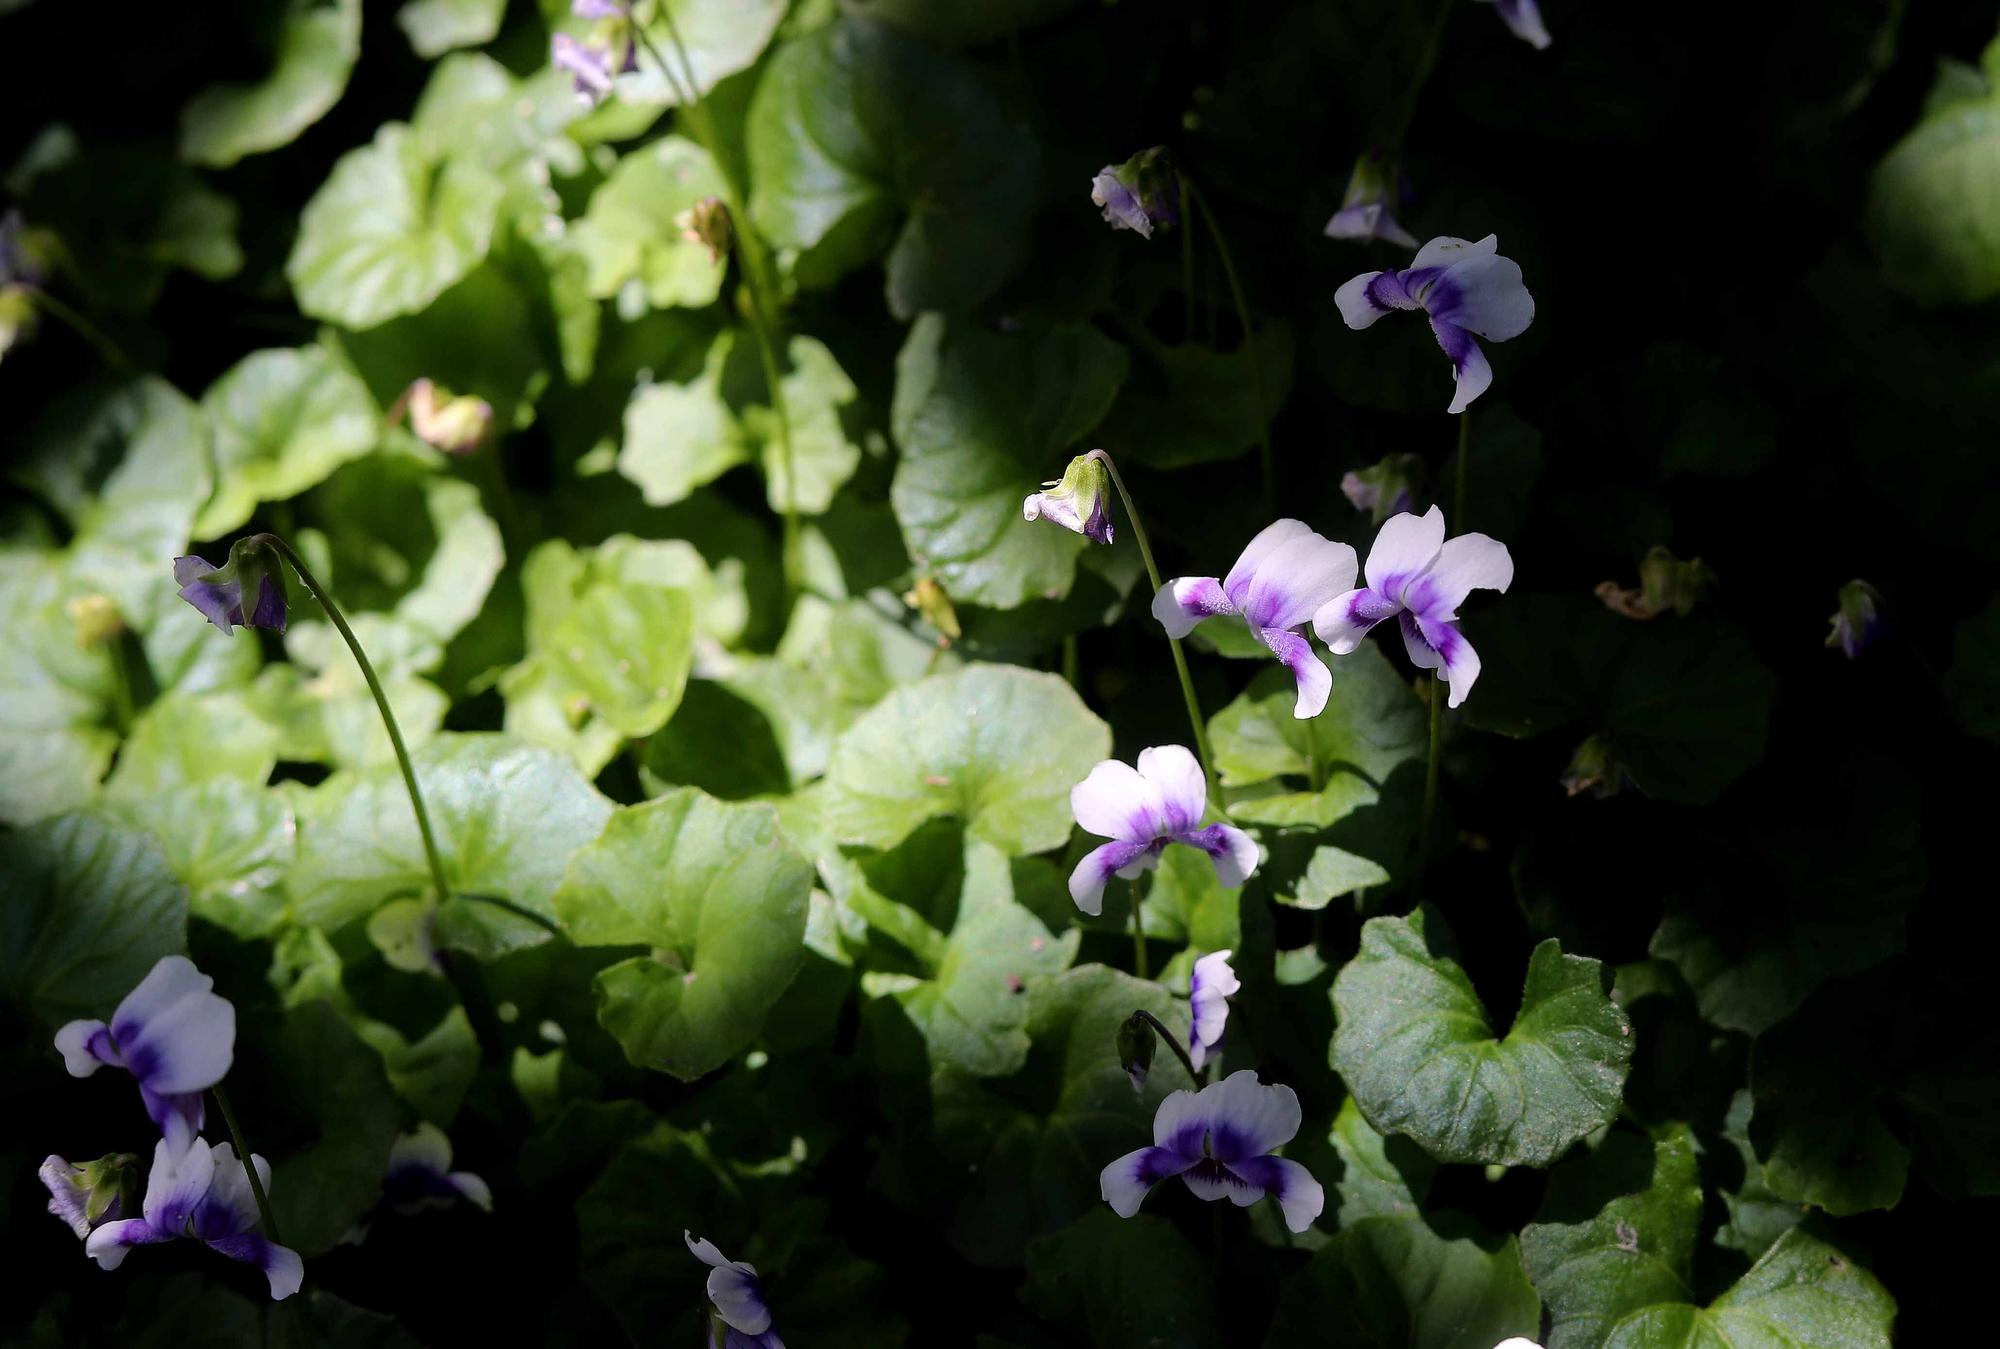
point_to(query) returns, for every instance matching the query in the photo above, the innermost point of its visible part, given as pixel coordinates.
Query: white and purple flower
(218, 591)
(202, 1192)
(1141, 195)
(1416, 574)
(1141, 810)
(1858, 621)
(1467, 289)
(1210, 987)
(1524, 20)
(737, 1297)
(1367, 210)
(173, 1033)
(609, 50)
(1282, 579)
(1080, 502)
(1218, 1141)
(88, 1196)
(420, 1175)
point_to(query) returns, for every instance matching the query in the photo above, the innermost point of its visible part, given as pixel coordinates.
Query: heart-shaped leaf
(316, 45)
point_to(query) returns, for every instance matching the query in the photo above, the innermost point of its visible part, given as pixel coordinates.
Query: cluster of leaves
(1695, 1058)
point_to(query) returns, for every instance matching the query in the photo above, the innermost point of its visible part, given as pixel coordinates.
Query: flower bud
(455, 424)
(1389, 487)
(1142, 194)
(88, 1196)
(1665, 583)
(1593, 769)
(928, 598)
(707, 223)
(1080, 502)
(1374, 189)
(254, 569)
(97, 620)
(1135, 1049)
(1858, 622)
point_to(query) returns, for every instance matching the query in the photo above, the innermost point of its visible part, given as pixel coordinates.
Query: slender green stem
(1430, 787)
(1173, 1042)
(1458, 479)
(1267, 460)
(82, 327)
(339, 621)
(1315, 770)
(244, 1155)
(1138, 935)
(1426, 59)
(1070, 669)
(1180, 658)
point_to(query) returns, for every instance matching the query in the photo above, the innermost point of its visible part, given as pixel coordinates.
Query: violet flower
(1210, 987)
(202, 1192)
(218, 592)
(1858, 621)
(1080, 503)
(608, 51)
(1467, 289)
(1524, 20)
(88, 1196)
(172, 1033)
(1366, 211)
(1141, 811)
(1416, 575)
(1141, 195)
(1218, 1141)
(1385, 488)
(1282, 579)
(738, 1298)
(420, 1175)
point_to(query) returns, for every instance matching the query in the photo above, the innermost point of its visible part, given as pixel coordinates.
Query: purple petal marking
(86, 1046)
(1233, 852)
(1300, 1196)
(281, 1264)
(1315, 681)
(1186, 601)
(1212, 1179)
(1124, 1183)
(270, 609)
(220, 603)
(1458, 663)
(109, 1243)
(1419, 649)
(1099, 865)
(1122, 208)
(1183, 792)
(1347, 618)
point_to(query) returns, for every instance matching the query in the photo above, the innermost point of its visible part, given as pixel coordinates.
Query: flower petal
(184, 1047)
(1187, 600)
(1484, 295)
(1300, 1196)
(1404, 547)
(1116, 801)
(704, 1250)
(85, 1047)
(1414, 642)
(281, 1264)
(1124, 1183)
(1346, 619)
(1247, 1118)
(1524, 20)
(1210, 987)
(1099, 865)
(177, 1183)
(67, 1196)
(229, 1207)
(1458, 663)
(1446, 251)
(1210, 1180)
(109, 1243)
(1470, 368)
(733, 1289)
(1315, 681)
(1176, 775)
(472, 1189)
(179, 1115)
(1268, 540)
(1293, 580)
(1233, 852)
(1365, 298)
(1467, 563)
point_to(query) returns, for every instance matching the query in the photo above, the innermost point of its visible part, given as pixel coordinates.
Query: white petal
(1294, 580)
(1268, 540)
(1467, 563)
(109, 1243)
(171, 979)
(704, 1250)
(1185, 601)
(178, 1181)
(424, 1146)
(1237, 861)
(1248, 1118)
(1484, 295)
(73, 1042)
(472, 1189)
(1444, 251)
(1116, 802)
(284, 1269)
(1099, 865)
(1176, 775)
(186, 1046)
(733, 1289)
(1124, 1183)
(1353, 303)
(1405, 546)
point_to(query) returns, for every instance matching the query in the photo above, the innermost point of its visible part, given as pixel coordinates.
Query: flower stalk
(269, 1219)
(1267, 462)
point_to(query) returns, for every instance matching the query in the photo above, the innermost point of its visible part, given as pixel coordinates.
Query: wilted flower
(1080, 503)
(1858, 621)
(1524, 20)
(87, 1196)
(172, 1033)
(420, 1175)
(1416, 574)
(1385, 488)
(455, 424)
(202, 1192)
(1141, 811)
(737, 1298)
(1594, 769)
(1218, 1140)
(1283, 577)
(1210, 987)
(1467, 289)
(1365, 212)
(1142, 194)
(707, 223)
(1665, 584)
(609, 50)
(218, 591)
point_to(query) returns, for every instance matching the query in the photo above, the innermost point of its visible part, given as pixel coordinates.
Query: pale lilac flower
(1524, 20)
(737, 1297)
(1365, 212)
(420, 1175)
(1467, 289)
(1416, 575)
(1218, 1141)
(1385, 488)
(1281, 580)
(87, 1196)
(1210, 988)
(1141, 811)
(218, 591)
(173, 1033)
(610, 50)
(202, 1192)
(1080, 502)
(1859, 619)
(1141, 195)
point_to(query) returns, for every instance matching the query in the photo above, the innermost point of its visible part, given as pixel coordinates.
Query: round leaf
(1803, 1291)
(629, 234)
(317, 46)
(282, 421)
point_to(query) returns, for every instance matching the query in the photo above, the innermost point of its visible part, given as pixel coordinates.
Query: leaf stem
(83, 328)
(1267, 461)
(1180, 657)
(1173, 1042)
(1138, 935)
(1430, 788)
(244, 1155)
(339, 621)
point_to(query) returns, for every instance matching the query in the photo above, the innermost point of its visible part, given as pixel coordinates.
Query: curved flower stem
(1138, 935)
(1172, 1041)
(1425, 61)
(1180, 657)
(83, 328)
(1267, 460)
(1070, 670)
(755, 264)
(339, 621)
(1430, 789)
(1315, 770)
(243, 1154)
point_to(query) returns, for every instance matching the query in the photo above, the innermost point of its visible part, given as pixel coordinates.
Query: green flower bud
(1080, 502)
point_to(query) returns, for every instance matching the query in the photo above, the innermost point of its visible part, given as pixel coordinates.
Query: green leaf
(1393, 1283)
(1932, 213)
(1188, 404)
(507, 817)
(87, 907)
(1416, 1048)
(1372, 723)
(980, 419)
(56, 696)
(628, 236)
(391, 230)
(282, 419)
(435, 27)
(1758, 1216)
(1972, 681)
(1379, 1177)
(1616, 1233)
(1124, 1283)
(719, 895)
(230, 842)
(964, 23)
(185, 739)
(856, 124)
(1803, 1291)
(127, 218)
(711, 42)
(316, 46)
(997, 747)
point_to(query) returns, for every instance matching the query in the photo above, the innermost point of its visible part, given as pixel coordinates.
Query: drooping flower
(707, 223)
(90, 1195)
(1467, 289)
(1524, 20)
(1415, 574)
(1142, 194)
(607, 51)
(218, 592)
(1385, 488)
(1218, 1141)
(737, 1297)
(1141, 810)
(202, 1192)
(173, 1033)
(1366, 211)
(23, 268)
(1080, 502)
(1282, 579)
(1666, 585)
(1210, 988)
(454, 423)
(1858, 621)
(1135, 1048)
(420, 1175)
